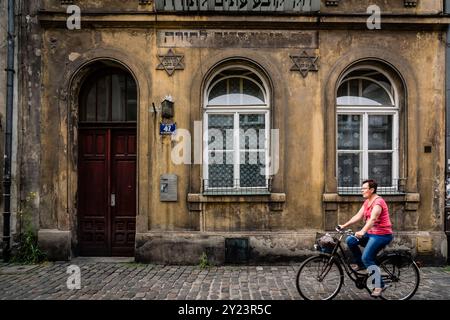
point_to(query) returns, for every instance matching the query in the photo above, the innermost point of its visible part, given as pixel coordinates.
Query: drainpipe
(8, 134)
(447, 142)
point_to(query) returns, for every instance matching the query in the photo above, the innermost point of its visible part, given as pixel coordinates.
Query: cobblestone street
(124, 279)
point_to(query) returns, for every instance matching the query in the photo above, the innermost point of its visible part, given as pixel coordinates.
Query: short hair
(372, 184)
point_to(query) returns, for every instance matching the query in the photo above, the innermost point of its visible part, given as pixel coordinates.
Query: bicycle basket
(325, 242)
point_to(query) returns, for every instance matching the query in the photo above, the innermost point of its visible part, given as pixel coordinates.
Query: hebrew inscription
(236, 39)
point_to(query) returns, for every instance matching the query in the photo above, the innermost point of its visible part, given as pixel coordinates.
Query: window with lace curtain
(236, 126)
(367, 131)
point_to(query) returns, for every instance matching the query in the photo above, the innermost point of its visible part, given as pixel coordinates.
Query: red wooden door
(107, 191)
(123, 191)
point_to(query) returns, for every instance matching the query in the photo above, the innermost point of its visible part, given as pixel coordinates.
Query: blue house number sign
(167, 128)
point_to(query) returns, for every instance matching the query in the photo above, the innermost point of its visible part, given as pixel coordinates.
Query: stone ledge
(335, 197)
(200, 198)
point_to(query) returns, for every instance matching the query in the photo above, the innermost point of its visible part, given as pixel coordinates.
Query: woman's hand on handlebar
(359, 234)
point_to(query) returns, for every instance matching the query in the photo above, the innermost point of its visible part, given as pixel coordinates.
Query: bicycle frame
(341, 258)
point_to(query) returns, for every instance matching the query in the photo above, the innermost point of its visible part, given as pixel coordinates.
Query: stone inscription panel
(236, 39)
(236, 6)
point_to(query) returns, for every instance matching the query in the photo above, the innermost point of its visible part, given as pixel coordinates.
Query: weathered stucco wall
(425, 115)
(140, 45)
(29, 107)
(304, 197)
(305, 185)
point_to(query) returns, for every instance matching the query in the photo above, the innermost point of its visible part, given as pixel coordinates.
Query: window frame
(211, 87)
(360, 89)
(365, 111)
(92, 82)
(236, 110)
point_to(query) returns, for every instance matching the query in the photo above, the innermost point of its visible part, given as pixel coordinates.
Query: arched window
(237, 124)
(367, 130)
(108, 95)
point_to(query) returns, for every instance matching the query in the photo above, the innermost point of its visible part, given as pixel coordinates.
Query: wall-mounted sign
(168, 187)
(167, 128)
(238, 6)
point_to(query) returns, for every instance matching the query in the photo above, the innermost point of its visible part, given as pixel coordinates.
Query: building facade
(281, 109)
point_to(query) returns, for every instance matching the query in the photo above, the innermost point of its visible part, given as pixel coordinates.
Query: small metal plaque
(168, 187)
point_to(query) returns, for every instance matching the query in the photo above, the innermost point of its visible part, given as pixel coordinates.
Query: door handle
(113, 200)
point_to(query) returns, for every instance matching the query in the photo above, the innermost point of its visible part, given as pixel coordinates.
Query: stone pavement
(124, 279)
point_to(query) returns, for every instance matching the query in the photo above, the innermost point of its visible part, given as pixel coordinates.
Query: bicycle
(398, 270)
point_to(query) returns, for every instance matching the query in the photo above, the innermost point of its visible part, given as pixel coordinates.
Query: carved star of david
(304, 63)
(170, 62)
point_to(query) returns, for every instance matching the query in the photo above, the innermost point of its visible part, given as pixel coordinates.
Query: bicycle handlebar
(348, 231)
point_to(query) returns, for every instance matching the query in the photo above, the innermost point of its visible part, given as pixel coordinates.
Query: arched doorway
(106, 198)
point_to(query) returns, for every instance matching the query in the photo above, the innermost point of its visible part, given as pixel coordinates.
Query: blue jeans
(373, 244)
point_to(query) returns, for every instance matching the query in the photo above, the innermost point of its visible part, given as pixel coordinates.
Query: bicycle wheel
(401, 274)
(317, 279)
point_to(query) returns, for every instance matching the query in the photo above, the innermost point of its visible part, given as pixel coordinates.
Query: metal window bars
(224, 187)
(392, 187)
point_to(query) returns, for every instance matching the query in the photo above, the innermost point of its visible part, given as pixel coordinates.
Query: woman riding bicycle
(376, 233)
